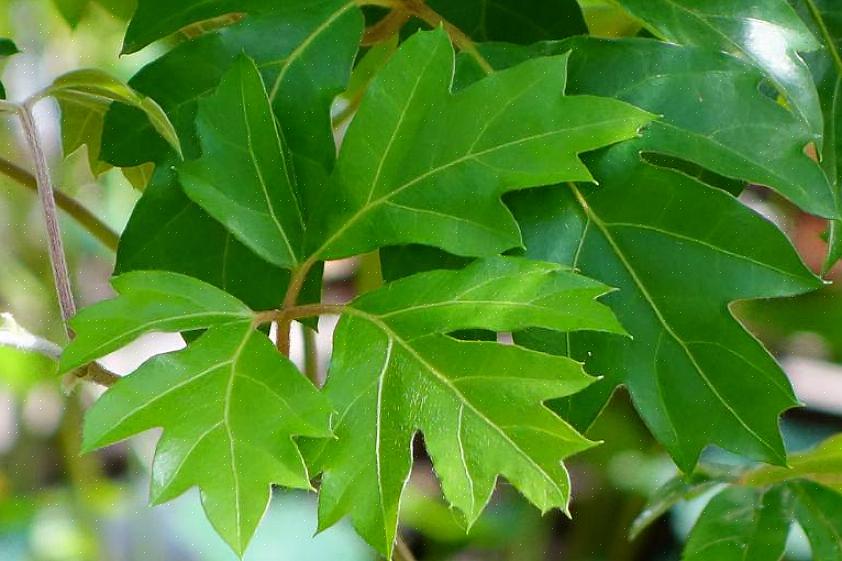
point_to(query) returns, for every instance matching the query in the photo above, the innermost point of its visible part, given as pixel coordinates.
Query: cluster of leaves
(497, 183)
(751, 512)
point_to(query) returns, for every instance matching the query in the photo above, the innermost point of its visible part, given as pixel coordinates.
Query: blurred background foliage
(56, 505)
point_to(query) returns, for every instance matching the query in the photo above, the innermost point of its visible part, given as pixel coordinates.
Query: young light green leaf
(740, 524)
(85, 95)
(243, 178)
(395, 371)
(230, 406)
(767, 33)
(512, 130)
(822, 464)
(695, 375)
(148, 301)
(819, 512)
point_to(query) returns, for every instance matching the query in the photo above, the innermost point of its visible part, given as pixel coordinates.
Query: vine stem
(96, 227)
(44, 185)
(422, 11)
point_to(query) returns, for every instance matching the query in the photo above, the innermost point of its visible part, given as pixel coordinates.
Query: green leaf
(305, 50)
(766, 32)
(740, 524)
(167, 231)
(825, 19)
(243, 179)
(695, 375)
(713, 114)
(819, 512)
(229, 405)
(84, 96)
(712, 110)
(7, 49)
(155, 19)
(395, 371)
(148, 301)
(823, 465)
(514, 21)
(674, 491)
(509, 131)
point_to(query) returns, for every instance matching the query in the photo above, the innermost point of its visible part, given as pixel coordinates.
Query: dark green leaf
(819, 512)
(713, 114)
(7, 49)
(155, 19)
(674, 491)
(167, 231)
(766, 32)
(514, 21)
(741, 524)
(243, 178)
(509, 131)
(680, 253)
(479, 404)
(304, 49)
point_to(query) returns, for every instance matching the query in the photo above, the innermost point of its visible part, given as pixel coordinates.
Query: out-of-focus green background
(56, 505)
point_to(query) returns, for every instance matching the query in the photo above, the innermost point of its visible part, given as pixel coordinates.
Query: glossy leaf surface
(766, 32)
(395, 160)
(395, 371)
(714, 114)
(739, 524)
(243, 178)
(230, 406)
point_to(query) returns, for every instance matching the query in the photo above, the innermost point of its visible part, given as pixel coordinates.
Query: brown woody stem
(48, 206)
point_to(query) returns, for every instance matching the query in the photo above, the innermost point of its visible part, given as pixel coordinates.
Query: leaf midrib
(393, 337)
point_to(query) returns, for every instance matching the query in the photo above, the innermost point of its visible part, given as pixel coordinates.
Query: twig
(96, 227)
(48, 206)
(28, 342)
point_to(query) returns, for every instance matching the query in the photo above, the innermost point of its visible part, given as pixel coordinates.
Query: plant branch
(96, 227)
(421, 10)
(44, 185)
(30, 343)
